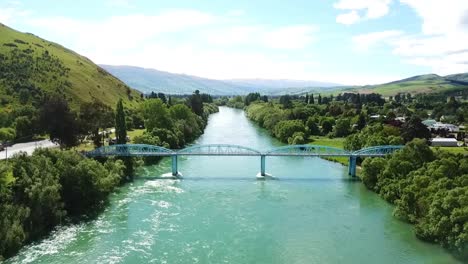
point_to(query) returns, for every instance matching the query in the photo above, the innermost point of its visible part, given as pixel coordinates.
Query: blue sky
(341, 41)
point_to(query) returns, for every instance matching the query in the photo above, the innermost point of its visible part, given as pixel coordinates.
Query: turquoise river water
(220, 213)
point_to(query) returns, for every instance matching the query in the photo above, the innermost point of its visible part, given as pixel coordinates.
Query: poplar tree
(120, 126)
(121, 135)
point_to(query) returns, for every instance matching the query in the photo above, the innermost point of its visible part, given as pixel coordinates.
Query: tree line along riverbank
(58, 186)
(428, 186)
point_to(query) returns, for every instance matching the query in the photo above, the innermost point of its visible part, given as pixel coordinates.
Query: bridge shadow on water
(250, 179)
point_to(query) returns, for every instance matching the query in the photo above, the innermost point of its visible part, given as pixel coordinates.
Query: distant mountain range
(151, 80)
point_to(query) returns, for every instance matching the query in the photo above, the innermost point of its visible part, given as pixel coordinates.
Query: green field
(330, 142)
(455, 150)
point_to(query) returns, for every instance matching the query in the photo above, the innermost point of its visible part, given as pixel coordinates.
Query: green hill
(428, 83)
(31, 66)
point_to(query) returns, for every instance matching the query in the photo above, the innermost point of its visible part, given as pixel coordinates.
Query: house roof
(443, 140)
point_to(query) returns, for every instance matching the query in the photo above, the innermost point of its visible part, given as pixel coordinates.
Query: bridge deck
(141, 150)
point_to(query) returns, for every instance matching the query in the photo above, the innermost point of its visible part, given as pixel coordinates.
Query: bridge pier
(262, 174)
(352, 166)
(174, 171)
(174, 165)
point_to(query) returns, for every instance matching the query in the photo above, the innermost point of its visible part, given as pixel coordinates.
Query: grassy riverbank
(330, 142)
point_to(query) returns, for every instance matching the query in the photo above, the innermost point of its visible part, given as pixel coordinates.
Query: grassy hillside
(418, 84)
(31, 66)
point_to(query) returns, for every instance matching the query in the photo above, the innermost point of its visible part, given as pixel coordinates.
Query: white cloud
(119, 32)
(371, 9)
(10, 14)
(287, 37)
(443, 39)
(290, 37)
(349, 18)
(441, 44)
(365, 41)
(187, 41)
(440, 17)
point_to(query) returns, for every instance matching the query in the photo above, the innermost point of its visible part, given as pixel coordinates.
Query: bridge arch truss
(308, 150)
(130, 150)
(377, 151)
(218, 150)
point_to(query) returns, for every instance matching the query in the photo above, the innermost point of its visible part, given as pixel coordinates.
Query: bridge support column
(352, 166)
(174, 172)
(262, 174)
(262, 165)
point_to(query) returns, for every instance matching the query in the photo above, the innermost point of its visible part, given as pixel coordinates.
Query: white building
(444, 142)
(451, 128)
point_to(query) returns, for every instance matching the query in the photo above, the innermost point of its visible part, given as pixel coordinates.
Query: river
(220, 213)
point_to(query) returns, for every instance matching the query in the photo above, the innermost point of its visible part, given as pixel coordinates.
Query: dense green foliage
(375, 135)
(289, 115)
(50, 188)
(428, 189)
(173, 126)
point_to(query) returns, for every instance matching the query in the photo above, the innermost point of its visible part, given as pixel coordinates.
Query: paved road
(27, 147)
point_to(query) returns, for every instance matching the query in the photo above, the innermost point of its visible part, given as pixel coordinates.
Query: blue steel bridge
(142, 150)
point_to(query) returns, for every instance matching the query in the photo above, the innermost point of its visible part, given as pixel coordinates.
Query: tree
(312, 100)
(297, 138)
(371, 168)
(24, 128)
(342, 127)
(162, 96)
(286, 129)
(327, 126)
(196, 103)
(414, 128)
(319, 99)
(306, 99)
(59, 121)
(312, 126)
(155, 114)
(361, 123)
(251, 97)
(7, 134)
(285, 100)
(120, 124)
(94, 116)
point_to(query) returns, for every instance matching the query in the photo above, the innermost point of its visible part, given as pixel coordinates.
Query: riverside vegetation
(54, 187)
(49, 91)
(429, 188)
